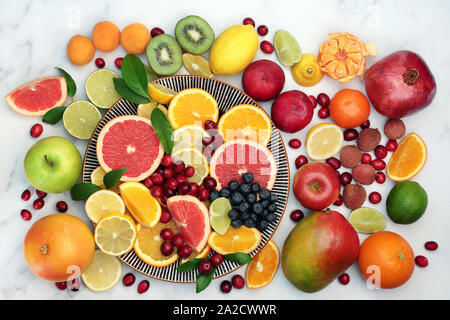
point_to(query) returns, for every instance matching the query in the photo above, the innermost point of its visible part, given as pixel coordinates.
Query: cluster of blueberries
(252, 206)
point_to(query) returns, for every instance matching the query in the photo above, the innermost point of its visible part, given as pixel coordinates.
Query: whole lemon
(307, 71)
(233, 50)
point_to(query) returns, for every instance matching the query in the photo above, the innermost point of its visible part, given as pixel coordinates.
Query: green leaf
(238, 257)
(163, 129)
(190, 264)
(151, 75)
(128, 94)
(113, 177)
(203, 280)
(53, 115)
(71, 86)
(82, 191)
(135, 75)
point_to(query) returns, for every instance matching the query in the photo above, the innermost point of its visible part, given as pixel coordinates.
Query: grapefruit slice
(236, 157)
(35, 98)
(129, 142)
(192, 219)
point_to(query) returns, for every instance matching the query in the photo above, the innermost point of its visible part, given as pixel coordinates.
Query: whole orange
(80, 50)
(58, 245)
(388, 257)
(106, 36)
(134, 38)
(349, 108)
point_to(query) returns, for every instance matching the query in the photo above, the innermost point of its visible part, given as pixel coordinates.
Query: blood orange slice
(35, 98)
(192, 219)
(129, 142)
(236, 157)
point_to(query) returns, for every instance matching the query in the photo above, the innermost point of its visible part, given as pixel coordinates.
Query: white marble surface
(33, 36)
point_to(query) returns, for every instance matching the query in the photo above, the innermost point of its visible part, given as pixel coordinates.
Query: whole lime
(406, 202)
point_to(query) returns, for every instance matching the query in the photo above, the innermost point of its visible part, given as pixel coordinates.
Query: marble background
(33, 36)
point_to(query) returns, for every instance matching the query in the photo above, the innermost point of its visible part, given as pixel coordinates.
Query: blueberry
(237, 223)
(262, 225)
(272, 207)
(244, 216)
(265, 203)
(264, 194)
(264, 213)
(271, 217)
(225, 192)
(257, 208)
(249, 223)
(273, 197)
(255, 187)
(233, 185)
(213, 195)
(233, 214)
(247, 177)
(251, 198)
(244, 188)
(236, 198)
(244, 206)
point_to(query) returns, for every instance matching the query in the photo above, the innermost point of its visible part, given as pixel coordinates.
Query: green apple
(53, 165)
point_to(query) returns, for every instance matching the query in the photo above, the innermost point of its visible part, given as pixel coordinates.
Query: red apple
(292, 111)
(263, 80)
(316, 185)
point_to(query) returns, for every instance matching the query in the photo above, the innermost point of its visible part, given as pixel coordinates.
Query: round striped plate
(227, 96)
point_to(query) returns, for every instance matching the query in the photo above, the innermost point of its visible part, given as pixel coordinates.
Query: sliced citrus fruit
(115, 234)
(97, 178)
(145, 110)
(159, 93)
(81, 118)
(192, 106)
(218, 215)
(148, 244)
(129, 142)
(193, 157)
(367, 220)
(323, 141)
(287, 48)
(100, 88)
(102, 203)
(140, 203)
(188, 136)
(241, 239)
(264, 265)
(197, 65)
(245, 122)
(408, 159)
(103, 273)
(202, 254)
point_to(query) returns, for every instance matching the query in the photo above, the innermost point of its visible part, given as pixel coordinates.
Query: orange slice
(241, 239)
(264, 265)
(245, 121)
(140, 203)
(148, 244)
(192, 106)
(408, 159)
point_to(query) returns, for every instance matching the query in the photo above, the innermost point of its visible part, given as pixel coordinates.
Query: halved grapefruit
(35, 98)
(192, 219)
(236, 157)
(129, 142)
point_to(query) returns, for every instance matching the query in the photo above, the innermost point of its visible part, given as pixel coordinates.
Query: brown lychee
(394, 129)
(364, 174)
(354, 196)
(368, 139)
(350, 156)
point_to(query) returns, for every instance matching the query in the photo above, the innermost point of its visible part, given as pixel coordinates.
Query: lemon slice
(159, 93)
(115, 234)
(188, 136)
(145, 110)
(97, 177)
(197, 65)
(323, 141)
(367, 220)
(102, 203)
(193, 157)
(81, 118)
(100, 88)
(218, 215)
(103, 273)
(287, 48)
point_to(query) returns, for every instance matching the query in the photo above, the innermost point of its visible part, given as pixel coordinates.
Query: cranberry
(206, 141)
(323, 113)
(167, 161)
(421, 261)
(375, 197)
(156, 191)
(300, 161)
(266, 47)
(167, 191)
(167, 173)
(25, 214)
(203, 194)
(249, 21)
(378, 164)
(61, 285)
(209, 183)
(344, 278)
(210, 125)
(180, 178)
(194, 189)
(391, 145)
(178, 167)
(205, 267)
(61, 206)
(75, 284)
(166, 234)
(335, 163)
(380, 152)
(263, 30)
(99, 62)
(36, 130)
(238, 281)
(167, 248)
(156, 31)
(128, 279)
(431, 245)
(350, 134)
(41, 194)
(216, 259)
(189, 171)
(365, 124)
(295, 143)
(380, 177)
(366, 158)
(184, 251)
(26, 195)
(313, 100)
(323, 99)
(148, 182)
(157, 178)
(163, 199)
(297, 215)
(160, 170)
(225, 286)
(143, 286)
(339, 201)
(184, 188)
(345, 178)
(118, 62)
(178, 240)
(38, 204)
(165, 216)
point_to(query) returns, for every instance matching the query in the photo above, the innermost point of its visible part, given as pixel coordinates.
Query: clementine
(349, 108)
(106, 36)
(80, 50)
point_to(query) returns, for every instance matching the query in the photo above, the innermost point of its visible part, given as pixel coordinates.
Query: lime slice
(81, 118)
(218, 215)
(103, 273)
(287, 48)
(145, 110)
(100, 88)
(367, 220)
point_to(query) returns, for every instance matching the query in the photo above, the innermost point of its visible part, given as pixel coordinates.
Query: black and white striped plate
(227, 96)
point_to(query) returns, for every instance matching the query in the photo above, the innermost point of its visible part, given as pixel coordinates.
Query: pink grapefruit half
(35, 98)
(192, 219)
(236, 157)
(129, 142)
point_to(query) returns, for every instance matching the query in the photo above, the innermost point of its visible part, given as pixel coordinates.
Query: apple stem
(410, 76)
(48, 161)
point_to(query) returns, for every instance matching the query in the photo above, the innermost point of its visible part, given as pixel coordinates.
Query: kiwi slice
(194, 34)
(164, 55)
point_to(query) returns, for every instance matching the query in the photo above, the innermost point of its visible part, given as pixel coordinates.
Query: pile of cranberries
(172, 241)
(263, 30)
